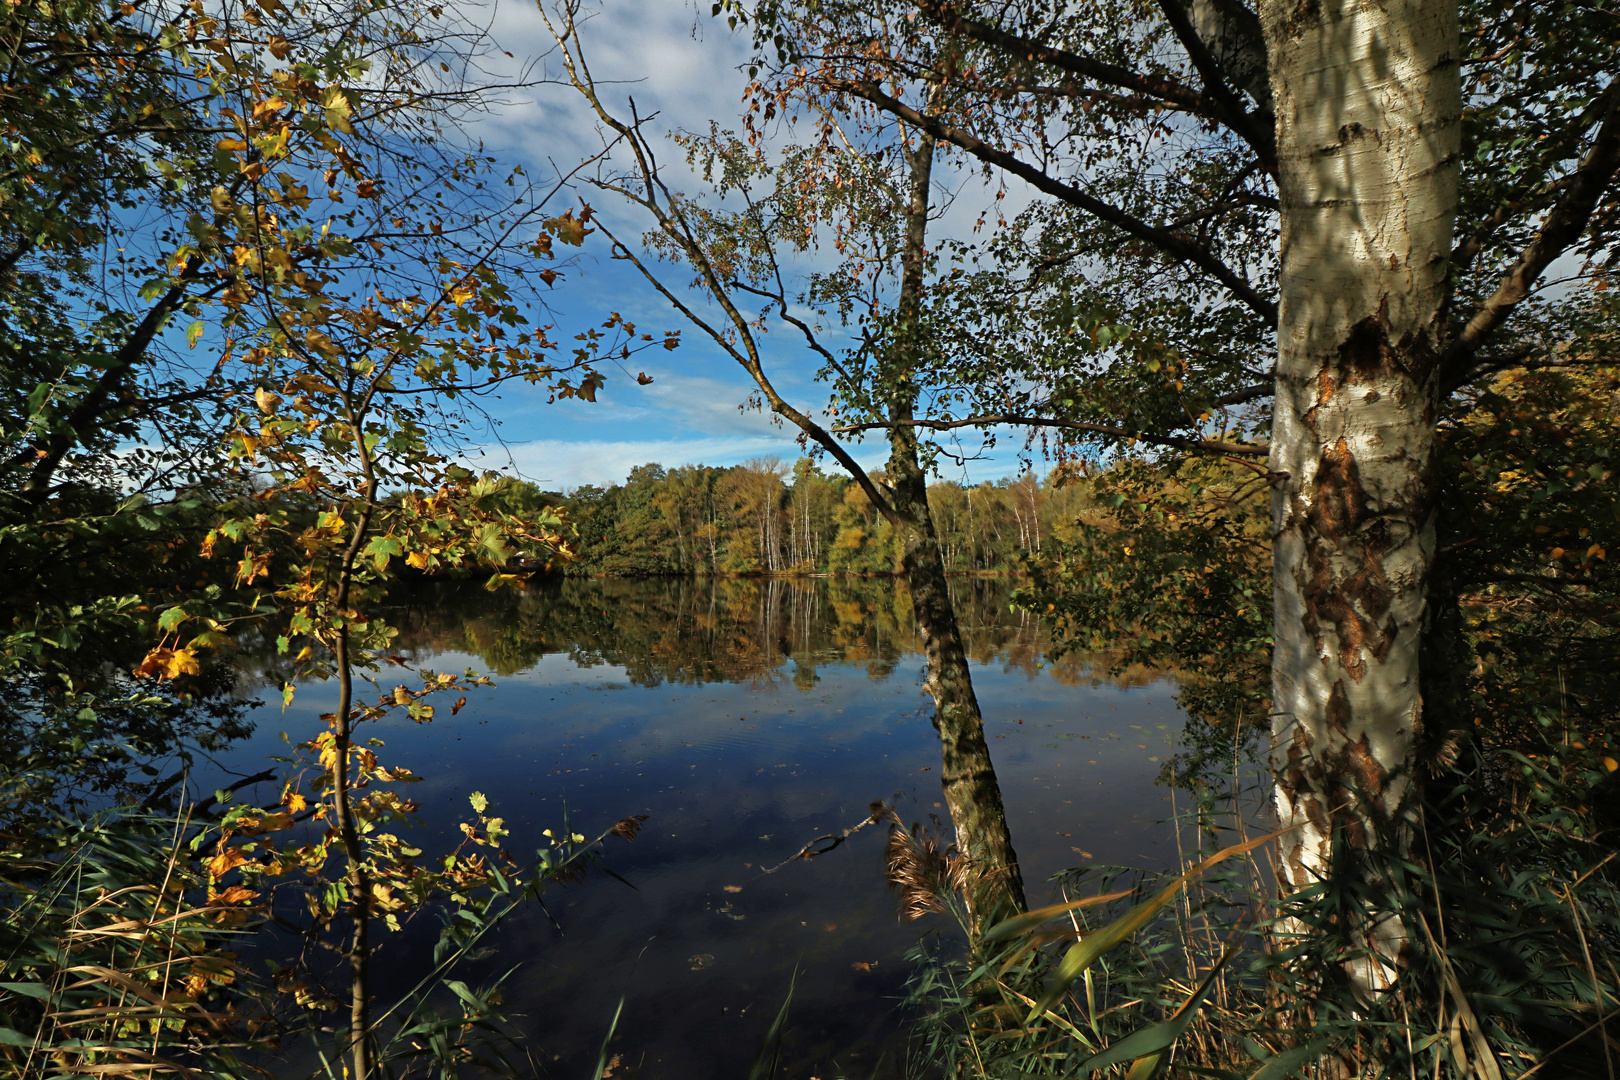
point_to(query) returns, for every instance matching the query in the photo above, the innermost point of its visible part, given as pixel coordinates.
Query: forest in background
(767, 517)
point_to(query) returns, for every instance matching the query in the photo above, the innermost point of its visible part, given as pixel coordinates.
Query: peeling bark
(1368, 107)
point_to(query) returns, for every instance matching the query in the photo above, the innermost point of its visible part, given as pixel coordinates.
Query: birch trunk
(972, 794)
(1368, 104)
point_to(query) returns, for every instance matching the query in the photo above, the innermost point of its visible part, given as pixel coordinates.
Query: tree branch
(1210, 446)
(1211, 106)
(1258, 131)
(1562, 228)
(1169, 243)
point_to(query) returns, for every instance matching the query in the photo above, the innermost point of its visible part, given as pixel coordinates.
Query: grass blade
(770, 1055)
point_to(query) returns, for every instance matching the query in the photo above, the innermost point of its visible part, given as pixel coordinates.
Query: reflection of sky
(734, 778)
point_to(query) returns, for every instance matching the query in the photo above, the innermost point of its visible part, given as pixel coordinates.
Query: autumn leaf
(225, 862)
(338, 109)
(169, 664)
(236, 894)
(569, 229)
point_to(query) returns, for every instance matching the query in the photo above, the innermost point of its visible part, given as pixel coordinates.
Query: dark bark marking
(1365, 769)
(1367, 353)
(1340, 504)
(1338, 708)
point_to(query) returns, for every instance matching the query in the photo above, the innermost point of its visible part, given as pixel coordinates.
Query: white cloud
(555, 463)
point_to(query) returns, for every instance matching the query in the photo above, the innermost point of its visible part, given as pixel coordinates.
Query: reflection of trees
(698, 630)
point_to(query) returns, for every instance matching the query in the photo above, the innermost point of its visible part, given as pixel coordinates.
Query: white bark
(1368, 105)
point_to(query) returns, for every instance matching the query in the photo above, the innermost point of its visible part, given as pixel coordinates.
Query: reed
(1511, 903)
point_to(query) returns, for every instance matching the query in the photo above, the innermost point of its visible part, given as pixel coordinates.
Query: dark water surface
(744, 718)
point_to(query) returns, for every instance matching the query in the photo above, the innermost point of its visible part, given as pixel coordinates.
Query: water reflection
(745, 718)
(699, 630)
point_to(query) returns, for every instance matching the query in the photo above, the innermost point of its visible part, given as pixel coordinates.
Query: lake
(745, 718)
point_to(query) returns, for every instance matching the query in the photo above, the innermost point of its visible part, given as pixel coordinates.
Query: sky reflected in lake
(744, 718)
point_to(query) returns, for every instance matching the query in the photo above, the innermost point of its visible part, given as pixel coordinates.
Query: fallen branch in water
(877, 811)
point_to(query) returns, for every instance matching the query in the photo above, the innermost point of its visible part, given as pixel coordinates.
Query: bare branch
(1212, 106)
(672, 222)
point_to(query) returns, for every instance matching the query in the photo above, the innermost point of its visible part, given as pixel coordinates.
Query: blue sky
(680, 63)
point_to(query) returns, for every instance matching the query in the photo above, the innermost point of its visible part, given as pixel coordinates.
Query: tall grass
(118, 959)
(1509, 895)
(112, 964)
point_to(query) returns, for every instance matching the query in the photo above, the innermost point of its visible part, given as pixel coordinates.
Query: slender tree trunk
(967, 776)
(348, 831)
(1368, 104)
(972, 792)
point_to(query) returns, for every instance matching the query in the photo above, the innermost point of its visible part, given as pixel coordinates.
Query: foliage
(1170, 570)
(115, 960)
(750, 519)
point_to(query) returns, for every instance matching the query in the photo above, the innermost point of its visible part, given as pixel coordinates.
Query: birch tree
(1346, 209)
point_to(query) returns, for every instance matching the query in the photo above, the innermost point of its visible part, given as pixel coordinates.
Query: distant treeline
(766, 517)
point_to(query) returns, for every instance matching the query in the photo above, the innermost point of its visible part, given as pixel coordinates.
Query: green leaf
(1089, 949)
(1020, 924)
(1151, 1045)
(479, 802)
(768, 1063)
(1289, 1062)
(607, 1041)
(33, 990)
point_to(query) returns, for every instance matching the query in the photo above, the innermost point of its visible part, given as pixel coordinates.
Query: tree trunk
(972, 793)
(1368, 103)
(967, 776)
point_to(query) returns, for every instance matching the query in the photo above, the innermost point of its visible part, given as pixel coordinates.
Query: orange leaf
(236, 894)
(225, 862)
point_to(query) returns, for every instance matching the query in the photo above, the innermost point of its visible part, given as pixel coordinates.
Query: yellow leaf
(338, 109)
(1611, 764)
(225, 862)
(267, 400)
(183, 662)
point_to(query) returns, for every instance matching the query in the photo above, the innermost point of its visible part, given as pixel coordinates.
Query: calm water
(744, 718)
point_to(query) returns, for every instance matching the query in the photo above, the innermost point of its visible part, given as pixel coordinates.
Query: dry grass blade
(922, 874)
